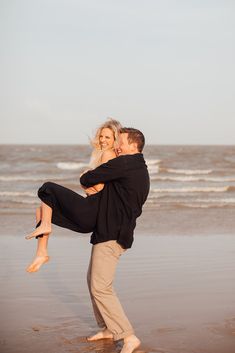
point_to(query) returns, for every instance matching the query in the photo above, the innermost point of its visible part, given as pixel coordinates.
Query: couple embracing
(116, 188)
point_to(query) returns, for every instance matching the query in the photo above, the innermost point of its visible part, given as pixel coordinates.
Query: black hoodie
(126, 189)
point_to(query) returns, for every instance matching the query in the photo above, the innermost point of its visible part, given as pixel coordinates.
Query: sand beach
(177, 289)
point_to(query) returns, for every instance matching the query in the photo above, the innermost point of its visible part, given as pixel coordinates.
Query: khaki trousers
(107, 308)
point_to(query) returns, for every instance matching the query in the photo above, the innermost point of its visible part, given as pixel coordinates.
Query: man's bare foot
(39, 230)
(130, 344)
(37, 263)
(101, 335)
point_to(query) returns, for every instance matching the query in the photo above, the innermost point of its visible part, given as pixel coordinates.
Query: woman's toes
(30, 236)
(38, 231)
(37, 263)
(29, 268)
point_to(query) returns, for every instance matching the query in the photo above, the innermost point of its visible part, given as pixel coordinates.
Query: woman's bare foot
(130, 344)
(37, 263)
(101, 335)
(42, 229)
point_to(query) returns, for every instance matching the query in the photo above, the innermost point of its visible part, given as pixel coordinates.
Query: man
(126, 189)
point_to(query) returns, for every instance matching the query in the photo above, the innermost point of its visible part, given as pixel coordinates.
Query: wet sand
(177, 290)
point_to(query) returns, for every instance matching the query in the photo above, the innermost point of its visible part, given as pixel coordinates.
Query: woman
(66, 208)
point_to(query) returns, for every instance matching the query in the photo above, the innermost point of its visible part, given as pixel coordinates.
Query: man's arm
(106, 172)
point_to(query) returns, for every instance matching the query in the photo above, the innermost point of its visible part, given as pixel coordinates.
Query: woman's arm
(107, 155)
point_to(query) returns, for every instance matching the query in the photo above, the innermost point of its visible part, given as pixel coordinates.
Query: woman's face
(106, 139)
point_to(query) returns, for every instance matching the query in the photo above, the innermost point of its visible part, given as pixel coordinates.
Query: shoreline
(152, 221)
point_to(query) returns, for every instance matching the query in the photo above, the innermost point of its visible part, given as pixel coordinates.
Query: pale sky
(164, 67)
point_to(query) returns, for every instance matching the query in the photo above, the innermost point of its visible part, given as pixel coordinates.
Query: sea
(176, 282)
(184, 176)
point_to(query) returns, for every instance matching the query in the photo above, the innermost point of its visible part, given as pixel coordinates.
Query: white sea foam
(71, 165)
(196, 203)
(25, 201)
(219, 201)
(31, 178)
(17, 193)
(153, 165)
(186, 171)
(209, 203)
(152, 161)
(192, 189)
(153, 169)
(193, 178)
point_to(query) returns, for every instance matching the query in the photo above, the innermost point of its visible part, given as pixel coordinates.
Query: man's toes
(100, 335)
(94, 337)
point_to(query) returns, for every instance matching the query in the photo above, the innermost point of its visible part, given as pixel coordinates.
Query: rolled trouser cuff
(122, 335)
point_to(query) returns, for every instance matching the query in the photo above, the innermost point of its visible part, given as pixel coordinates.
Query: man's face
(125, 147)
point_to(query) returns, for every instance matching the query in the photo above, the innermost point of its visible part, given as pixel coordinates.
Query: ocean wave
(219, 201)
(186, 171)
(153, 169)
(18, 193)
(32, 178)
(194, 178)
(194, 189)
(25, 201)
(230, 200)
(208, 204)
(152, 161)
(196, 203)
(153, 165)
(70, 165)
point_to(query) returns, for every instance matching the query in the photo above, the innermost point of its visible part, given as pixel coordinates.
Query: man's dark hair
(134, 136)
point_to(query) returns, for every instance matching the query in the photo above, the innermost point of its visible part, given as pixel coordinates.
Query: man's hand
(89, 191)
(93, 189)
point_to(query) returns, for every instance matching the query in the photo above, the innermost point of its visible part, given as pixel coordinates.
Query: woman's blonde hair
(115, 126)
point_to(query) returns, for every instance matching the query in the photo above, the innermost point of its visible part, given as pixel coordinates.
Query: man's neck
(130, 153)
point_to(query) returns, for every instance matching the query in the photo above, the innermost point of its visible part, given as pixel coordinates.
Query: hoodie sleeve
(112, 170)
